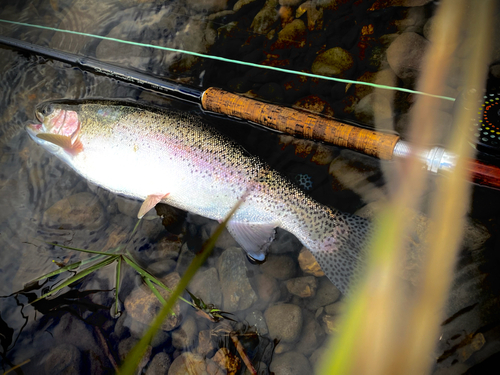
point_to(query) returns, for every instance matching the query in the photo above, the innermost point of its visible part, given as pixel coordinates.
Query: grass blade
(82, 250)
(80, 275)
(69, 267)
(117, 283)
(147, 276)
(139, 349)
(155, 291)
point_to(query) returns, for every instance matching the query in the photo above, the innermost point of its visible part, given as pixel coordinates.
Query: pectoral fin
(151, 201)
(64, 141)
(254, 238)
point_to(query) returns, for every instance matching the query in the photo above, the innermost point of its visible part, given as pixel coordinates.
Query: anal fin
(254, 238)
(150, 201)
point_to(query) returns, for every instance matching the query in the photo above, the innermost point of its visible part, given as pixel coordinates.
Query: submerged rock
(302, 286)
(290, 363)
(309, 264)
(159, 365)
(326, 294)
(284, 322)
(256, 319)
(193, 364)
(205, 285)
(312, 337)
(406, 53)
(228, 361)
(81, 210)
(237, 292)
(281, 267)
(63, 359)
(206, 343)
(143, 306)
(335, 62)
(185, 336)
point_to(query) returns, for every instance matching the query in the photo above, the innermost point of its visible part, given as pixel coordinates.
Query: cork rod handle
(300, 123)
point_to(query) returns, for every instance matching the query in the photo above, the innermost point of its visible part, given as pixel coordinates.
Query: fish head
(59, 129)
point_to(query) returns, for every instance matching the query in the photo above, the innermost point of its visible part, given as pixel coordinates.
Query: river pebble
(256, 320)
(291, 363)
(63, 359)
(184, 337)
(284, 322)
(159, 365)
(205, 285)
(82, 210)
(406, 53)
(228, 361)
(143, 306)
(326, 294)
(312, 337)
(309, 264)
(281, 267)
(237, 292)
(302, 286)
(193, 364)
(206, 344)
(267, 289)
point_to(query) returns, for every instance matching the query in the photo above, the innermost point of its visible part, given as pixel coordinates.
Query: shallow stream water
(42, 201)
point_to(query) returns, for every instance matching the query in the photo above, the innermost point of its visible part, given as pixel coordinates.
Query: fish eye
(47, 110)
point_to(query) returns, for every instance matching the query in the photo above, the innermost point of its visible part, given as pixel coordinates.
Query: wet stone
(309, 264)
(256, 319)
(193, 364)
(335, 62)
(186, 256)
(284, 322)
(283, 347)
(406, 53)
(159, 365)
(237, 292)
(281, 267)
(330, 323)
(63, 359)
(227, 361)
(143, 306)
(124, 348)
(312, 337)
(205, 285)
(185, 336)
(302, 286)
(267, 290)
(81, 210)
(290, 363)
(326, 294)
(264, 20)
(334, 308)
(206, 343)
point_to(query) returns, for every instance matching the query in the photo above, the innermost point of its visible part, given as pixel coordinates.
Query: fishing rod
(291, 121)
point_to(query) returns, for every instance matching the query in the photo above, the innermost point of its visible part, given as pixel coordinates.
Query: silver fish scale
(140, 151)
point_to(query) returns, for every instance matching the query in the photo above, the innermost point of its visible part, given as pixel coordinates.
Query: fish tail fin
(340, 253)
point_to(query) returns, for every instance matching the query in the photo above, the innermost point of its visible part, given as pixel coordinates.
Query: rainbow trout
(171, 157)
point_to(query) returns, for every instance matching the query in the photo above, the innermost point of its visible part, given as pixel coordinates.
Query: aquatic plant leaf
(155, 291)
(137, 352)
(82, 250)
(79, 276)
(141, 271)
(117, 283)
(147, 276)
(69, 267)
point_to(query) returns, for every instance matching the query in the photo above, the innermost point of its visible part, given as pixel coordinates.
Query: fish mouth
(34, 129)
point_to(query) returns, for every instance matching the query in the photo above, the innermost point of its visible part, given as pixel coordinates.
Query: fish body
(172, 157)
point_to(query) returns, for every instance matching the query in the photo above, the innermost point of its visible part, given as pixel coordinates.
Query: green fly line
(385, 87)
